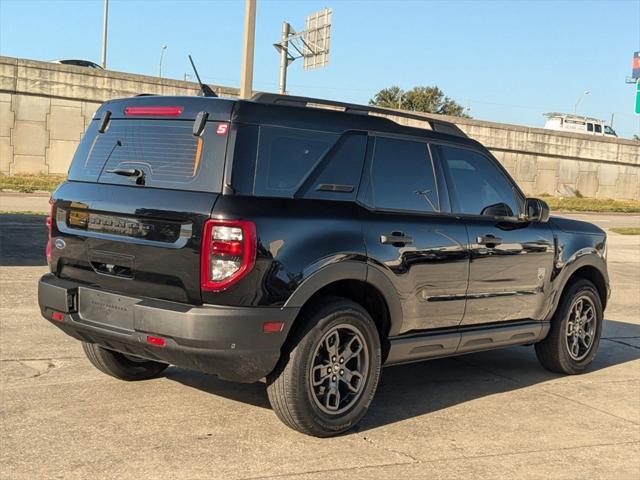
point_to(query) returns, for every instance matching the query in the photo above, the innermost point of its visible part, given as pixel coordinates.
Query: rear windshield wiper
(129, 172)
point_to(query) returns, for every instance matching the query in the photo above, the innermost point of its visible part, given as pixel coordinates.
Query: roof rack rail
(440, 126)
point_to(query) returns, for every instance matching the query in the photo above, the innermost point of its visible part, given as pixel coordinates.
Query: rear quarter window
(286, 156)
(284, 162)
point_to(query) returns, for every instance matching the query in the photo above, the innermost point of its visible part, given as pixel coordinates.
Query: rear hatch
(142, 183)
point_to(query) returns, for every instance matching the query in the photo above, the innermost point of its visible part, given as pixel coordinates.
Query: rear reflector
(157, 341)
(272, 327)
(153, 111)
(57, 316)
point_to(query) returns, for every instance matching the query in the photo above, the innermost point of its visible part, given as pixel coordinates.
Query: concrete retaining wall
(45, 108)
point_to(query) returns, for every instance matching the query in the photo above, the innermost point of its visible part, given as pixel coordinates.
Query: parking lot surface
(487, 415)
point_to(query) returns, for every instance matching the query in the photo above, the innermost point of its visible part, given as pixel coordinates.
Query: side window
(479, 186)
(402, 176)
(338, 175)
(589, 127)
(608, 130)
(598, 128)
(285, 158)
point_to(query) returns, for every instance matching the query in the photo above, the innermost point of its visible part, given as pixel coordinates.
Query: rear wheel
(573, 339)
(326, 383)
(121, 366)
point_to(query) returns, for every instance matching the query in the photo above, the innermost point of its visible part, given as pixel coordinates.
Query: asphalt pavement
(486, 415)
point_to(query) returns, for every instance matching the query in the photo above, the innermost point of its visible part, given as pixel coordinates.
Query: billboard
(317, 37)
(635, 74)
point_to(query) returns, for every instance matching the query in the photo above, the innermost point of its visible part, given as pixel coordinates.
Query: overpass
(45, 108)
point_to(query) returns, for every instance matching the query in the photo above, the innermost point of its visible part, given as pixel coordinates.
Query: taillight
(228, 253)
(49, 223)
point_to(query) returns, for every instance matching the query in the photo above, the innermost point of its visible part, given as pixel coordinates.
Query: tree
(418, 99)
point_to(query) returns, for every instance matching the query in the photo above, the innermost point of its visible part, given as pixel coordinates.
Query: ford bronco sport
(275, 238)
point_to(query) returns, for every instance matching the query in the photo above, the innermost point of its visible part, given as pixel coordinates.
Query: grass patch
(582, 204)
(30, 183)
(626, 230)
(22, 212)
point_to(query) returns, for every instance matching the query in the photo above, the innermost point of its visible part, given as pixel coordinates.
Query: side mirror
(536, 210)
(497, 210)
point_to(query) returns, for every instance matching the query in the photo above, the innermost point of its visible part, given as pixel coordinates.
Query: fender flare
(583, 258)
(350, 270)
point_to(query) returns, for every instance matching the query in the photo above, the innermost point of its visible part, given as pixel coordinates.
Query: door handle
(489, 240)
(395, 238)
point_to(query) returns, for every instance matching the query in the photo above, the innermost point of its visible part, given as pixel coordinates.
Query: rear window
(165, 150)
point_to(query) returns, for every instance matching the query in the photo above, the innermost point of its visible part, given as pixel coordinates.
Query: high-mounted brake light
(228, 253)
(156, 111)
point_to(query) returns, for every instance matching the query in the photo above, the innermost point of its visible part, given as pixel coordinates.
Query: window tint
(479, 186)
(338, 174)
(286, 156)
(165, 150)
(402, 176)
(590, 127)
(598, 128)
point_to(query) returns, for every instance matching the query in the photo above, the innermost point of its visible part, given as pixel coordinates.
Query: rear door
(421, 251)
(511, 260)
(140, 233)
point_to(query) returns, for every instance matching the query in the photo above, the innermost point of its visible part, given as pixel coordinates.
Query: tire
(557, 351)
(317, 410)
(121, 366)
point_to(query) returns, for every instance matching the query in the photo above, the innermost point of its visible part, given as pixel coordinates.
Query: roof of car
(298, 112)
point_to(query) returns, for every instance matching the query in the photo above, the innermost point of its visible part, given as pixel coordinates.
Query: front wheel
(326, 383)
(573, 339)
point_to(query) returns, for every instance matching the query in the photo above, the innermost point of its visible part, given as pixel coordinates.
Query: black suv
(309, 242)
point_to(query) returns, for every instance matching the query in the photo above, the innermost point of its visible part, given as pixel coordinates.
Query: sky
(508, 61)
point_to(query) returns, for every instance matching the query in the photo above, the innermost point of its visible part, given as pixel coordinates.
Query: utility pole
(104, 34)
(246, 75)
(284, 57)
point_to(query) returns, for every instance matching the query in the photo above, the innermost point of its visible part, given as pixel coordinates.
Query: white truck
(565, 122)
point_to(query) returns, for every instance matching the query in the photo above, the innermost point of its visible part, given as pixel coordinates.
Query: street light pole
(575, 107)
(164, 47)
(104, 34)
(284, 57)
(246, 74)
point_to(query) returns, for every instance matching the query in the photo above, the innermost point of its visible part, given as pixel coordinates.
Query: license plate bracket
(106, 309)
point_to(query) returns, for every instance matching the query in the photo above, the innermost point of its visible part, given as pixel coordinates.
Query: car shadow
(23, 238)
(408, 391)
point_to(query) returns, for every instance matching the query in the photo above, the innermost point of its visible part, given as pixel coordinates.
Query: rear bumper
(222, 340)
